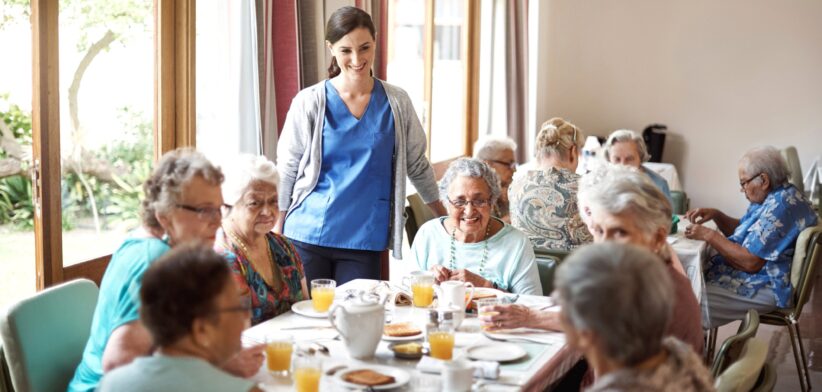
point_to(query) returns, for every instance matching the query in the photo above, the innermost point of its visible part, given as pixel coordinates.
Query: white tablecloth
(548, 364)
(668, 172)
(692, 254)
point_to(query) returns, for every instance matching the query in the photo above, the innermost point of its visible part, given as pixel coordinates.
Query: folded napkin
(482, 369)
(385, 290)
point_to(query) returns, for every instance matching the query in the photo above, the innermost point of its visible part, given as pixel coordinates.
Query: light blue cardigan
(299, 154)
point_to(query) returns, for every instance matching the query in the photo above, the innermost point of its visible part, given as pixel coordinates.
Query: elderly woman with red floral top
(264, 263)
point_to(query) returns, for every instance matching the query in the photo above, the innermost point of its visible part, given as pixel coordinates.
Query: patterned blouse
(769, 231)
(543, 205)
(265, 302)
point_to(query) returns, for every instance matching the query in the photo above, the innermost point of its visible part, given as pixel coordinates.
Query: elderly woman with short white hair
(498, 153)
(616, 302)
(469, 244)
(265, 264)
(627, 148)
(752, 267)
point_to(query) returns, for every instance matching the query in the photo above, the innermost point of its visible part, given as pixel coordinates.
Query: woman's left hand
(506, 316)
(245, 363)
(465, 275)
(697, 232)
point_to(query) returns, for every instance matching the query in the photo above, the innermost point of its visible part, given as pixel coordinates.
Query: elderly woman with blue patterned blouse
(752, 267)
(469, 244)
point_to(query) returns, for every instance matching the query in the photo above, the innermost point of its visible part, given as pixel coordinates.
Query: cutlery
(333, 370)
(306, 327)
(520, 339)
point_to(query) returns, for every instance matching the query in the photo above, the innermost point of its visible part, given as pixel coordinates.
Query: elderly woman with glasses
(182, 204)
(469, 244)
(498, 153)
(544, 200)
(193, 311)
(627, 148)
(752, 267)
(265, 264)
(616, 304)
(622, 205)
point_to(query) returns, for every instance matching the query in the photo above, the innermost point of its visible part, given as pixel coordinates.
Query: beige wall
(723, 75)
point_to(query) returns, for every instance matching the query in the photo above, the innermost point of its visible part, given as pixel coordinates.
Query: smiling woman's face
(470, 220)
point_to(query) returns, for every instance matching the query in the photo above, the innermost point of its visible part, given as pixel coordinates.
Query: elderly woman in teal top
(347, 145)
(752, 267)
(182, 204)
(469, 244)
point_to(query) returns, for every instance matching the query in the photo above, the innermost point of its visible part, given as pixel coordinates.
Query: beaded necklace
(247, 254)
(452, 262)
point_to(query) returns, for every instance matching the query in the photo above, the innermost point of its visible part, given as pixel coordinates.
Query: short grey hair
(619, 189)
(767, 160)
(244, 170)
(469, 167)
(625, 135)
(622, 294)
(487, 147)
(163, 187)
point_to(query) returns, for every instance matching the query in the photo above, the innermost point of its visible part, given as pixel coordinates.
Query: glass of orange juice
(307, 372)
(322, 294)
(278, 351)
(482, 306)
(441, 341)
(422, 288)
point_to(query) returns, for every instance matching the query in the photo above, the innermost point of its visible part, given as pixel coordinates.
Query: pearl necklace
(452, 262)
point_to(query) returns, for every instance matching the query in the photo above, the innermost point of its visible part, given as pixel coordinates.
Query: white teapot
(360, 324)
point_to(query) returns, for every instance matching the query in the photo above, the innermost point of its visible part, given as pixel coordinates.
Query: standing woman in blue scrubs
(346, 148)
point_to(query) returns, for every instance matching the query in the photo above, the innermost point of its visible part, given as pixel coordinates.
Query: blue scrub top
(350, 207)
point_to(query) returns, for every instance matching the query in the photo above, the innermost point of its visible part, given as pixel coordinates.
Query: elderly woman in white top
(626, 147)
(616, 303)
(469, 244)
(498, 153)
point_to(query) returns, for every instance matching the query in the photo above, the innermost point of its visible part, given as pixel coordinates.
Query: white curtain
(228, 92)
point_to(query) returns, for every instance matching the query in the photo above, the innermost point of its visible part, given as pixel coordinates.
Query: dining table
(692, 254)
(546, 361)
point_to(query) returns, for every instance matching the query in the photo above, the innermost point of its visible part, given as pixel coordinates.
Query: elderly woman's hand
(247, 362)
(701, 215)
(506, 316)
(698, 232)
(464, 275)
(441, 273)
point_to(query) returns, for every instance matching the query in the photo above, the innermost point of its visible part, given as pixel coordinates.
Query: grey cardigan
(299, 154)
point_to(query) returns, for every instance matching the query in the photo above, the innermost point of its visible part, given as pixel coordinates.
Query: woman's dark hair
(180, 287)
(342, 22)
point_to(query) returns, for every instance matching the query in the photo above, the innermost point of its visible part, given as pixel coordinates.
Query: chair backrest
(44, 336)
(746, 373)
(411, 225)
(547, 262)
(732, 347)
(420, 212)
(807, 254)
(5, 380)
(794, 168)
(767, 379)
(680, 200)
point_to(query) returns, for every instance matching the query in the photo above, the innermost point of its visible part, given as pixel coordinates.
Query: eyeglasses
(204, 213)
(511, 165)
(479, 203)
(745, 182)
(243, 307)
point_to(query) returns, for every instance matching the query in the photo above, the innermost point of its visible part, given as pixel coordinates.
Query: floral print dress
(266, 302)
(769, 231)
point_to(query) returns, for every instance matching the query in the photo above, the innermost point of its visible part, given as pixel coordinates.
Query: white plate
(401, 377)
(402, 338)
(499, 352)
(306, 308)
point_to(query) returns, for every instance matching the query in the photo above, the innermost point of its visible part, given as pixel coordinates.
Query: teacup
(452, 293)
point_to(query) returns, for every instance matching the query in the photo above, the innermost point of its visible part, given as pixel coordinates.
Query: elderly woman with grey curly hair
(182, 204)
(265, 264)
(616, 302)
(752, 267)
(469, 244)
(627, 148)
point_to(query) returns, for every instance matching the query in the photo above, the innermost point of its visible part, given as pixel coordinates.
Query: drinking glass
(322, 294)
(441, 341)
(278, 352)
(422, 288)
(484, 304)
(307, 373)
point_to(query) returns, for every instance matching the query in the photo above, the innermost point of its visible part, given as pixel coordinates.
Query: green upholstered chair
(767, 379)
(748, 371)
(44, 336)
(807, 255)
(794, 168)
(417, 213)
(680, 200)
(547, 262)
(731, 348)
(5, 381)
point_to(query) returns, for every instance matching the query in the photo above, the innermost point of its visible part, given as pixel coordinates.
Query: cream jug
(452, 293)
(360, 324)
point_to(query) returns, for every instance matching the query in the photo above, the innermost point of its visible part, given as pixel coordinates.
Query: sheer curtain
(228, 86)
